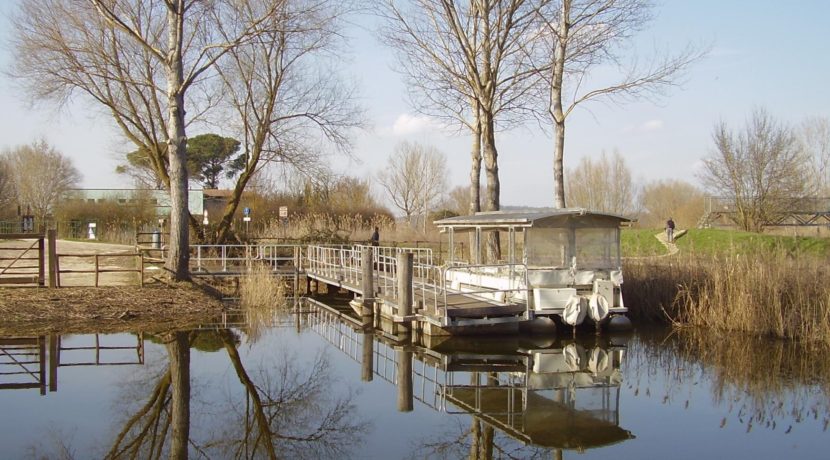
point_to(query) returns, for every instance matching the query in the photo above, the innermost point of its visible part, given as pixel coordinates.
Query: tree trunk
(178, 351)
(475, 179)
(179, 255)
(556, 110)
(491, 167)
(558, 166)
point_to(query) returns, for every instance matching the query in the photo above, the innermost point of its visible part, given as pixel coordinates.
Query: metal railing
(431, 284)
(431, 383)
(228, 257)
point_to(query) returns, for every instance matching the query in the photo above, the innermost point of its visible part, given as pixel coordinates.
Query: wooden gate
(22, 257)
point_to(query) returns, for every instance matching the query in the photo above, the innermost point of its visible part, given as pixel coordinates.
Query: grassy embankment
(734, 281)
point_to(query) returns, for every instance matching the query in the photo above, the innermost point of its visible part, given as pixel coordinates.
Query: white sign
(283, 211)
(246, 219)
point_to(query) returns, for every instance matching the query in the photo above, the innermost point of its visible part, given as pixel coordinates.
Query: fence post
(140, 269)
(51, 237)
(96, 270)
(405, 288)
(41, 279)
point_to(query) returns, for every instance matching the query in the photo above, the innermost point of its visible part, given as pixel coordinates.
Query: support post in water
(367, 282)
(405, 399)
(405, 289)
(366, 371)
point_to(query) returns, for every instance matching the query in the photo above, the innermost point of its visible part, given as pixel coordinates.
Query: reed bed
(338, 228)
(766, 293)
(261, 296)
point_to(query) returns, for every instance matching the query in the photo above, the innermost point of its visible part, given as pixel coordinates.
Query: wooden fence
(36, 261)
(97, 269)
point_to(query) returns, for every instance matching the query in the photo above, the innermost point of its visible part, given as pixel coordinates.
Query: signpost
(284, 219)
(246, 213)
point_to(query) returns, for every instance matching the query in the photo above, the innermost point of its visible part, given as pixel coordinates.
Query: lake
(313, 385)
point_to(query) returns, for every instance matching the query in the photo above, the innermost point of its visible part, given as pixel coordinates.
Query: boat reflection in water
(557, 394)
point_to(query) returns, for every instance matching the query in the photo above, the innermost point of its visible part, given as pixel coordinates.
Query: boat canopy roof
(495, 220)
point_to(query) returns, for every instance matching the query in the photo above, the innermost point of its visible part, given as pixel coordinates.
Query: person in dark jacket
(375, 237)
(670, 230)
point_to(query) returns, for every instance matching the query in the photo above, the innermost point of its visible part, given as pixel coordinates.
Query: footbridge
(402, 285)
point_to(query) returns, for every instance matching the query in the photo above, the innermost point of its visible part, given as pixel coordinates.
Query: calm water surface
(314, 386)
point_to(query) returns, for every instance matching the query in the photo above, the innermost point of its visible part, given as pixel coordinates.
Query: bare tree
(814, 136)
(458, 200)
(580, 36)
(678, 199)
(138, 59)
(602, 185)
(7, 194)
(760, 168)
(283, 89)
(464, 64)
(415, 178)
(39, 174)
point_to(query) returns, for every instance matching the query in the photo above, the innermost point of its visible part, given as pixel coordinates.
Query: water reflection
(276, 410)
(25, 363)
(291, 388)
(549, 394)
(761, 383)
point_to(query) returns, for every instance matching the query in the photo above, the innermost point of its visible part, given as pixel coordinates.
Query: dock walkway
(436, 302)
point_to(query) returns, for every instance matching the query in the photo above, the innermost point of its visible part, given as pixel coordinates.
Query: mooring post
(51, 236)
(367, 283)
(405, 289)
(405, 399)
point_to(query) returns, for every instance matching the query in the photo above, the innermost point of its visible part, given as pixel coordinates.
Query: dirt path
(671, 247)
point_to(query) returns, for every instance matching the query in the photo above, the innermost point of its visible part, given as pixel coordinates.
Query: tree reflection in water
(144, 434)
(289, 413)
(773, 384)
(286, 412)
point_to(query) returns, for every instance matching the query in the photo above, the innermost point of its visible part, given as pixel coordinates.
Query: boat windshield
(597, 248)
(548, 247)
(593, 247)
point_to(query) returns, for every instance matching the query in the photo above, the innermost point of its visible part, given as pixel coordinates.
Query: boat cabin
(563, 262)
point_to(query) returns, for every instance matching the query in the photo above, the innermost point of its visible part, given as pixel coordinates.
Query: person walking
(670, 230)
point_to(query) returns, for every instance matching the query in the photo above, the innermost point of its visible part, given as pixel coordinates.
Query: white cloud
(645, 127)
(407, 124)
(651, 125)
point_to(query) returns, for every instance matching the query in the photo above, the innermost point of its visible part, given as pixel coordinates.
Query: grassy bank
(640, 242)
(763, 285)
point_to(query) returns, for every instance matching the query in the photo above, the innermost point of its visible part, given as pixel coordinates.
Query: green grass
(642, 243)
(637, 242)
(716, 241)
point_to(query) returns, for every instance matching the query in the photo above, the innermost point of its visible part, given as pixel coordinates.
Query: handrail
(430, 281)
(230, 255)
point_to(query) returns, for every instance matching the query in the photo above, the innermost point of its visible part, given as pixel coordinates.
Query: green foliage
(211, 155)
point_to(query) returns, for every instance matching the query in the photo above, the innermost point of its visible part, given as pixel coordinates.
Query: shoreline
(156, 306)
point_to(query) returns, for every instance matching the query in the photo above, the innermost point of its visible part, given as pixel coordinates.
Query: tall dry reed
(768, 292)
(261, 294)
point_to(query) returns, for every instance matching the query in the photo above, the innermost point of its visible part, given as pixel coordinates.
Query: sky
(764, 54)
